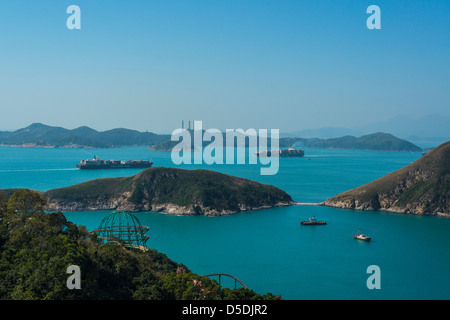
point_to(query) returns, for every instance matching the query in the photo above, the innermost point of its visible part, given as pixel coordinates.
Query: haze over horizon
(290, 65)
(425, 131)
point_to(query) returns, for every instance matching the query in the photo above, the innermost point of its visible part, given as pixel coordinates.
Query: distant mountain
(41, 135)
(423, 187)
(376, 141)
(430, 126)
(323, 133)
(237, 136)
(427, 131)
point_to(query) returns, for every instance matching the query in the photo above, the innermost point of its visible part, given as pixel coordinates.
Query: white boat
(361, 236)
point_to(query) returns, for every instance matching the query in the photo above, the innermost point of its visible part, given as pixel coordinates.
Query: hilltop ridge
(41, 135)
(379, 141)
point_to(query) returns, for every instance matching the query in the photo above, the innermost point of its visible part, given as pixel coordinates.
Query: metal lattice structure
(123, 228)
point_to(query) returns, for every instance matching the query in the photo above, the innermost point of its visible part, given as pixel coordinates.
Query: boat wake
(38, 170)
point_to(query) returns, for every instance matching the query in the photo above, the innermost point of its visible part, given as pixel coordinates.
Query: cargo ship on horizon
(97, 163)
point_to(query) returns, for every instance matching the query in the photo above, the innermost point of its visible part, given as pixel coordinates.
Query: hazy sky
(283, 64)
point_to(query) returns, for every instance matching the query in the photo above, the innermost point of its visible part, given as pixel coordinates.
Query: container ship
(291, 152)
(97, 163)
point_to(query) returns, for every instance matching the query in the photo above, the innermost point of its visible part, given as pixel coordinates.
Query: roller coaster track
(227, 275)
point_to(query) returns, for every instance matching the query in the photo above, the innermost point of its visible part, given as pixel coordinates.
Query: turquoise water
(268, 249)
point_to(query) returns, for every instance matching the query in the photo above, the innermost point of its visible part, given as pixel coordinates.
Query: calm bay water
(268, 249)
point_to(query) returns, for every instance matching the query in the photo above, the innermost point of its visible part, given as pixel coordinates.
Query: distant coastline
(39, 135)
(34, 145)
(373, 142)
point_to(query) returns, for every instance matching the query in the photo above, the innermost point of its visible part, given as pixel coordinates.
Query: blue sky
(283, 64)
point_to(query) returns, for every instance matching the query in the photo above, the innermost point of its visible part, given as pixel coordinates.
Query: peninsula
(169, 190)
(422, 187)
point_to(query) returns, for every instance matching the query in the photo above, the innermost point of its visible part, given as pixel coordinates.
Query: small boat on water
(362, 236)
(312, 222)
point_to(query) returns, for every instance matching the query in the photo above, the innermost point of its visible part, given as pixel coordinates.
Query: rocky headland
(422, 188)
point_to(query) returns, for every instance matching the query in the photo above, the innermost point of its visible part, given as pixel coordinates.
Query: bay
(268, 250)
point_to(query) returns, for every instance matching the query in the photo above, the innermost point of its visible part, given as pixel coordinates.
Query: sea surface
(269, 250)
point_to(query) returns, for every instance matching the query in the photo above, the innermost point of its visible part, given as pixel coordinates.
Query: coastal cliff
(423, 187)
(169, 190)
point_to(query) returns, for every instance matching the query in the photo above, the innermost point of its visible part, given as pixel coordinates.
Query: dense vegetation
(210, 188)
(423, 187)
(36, 248)
(161, 185)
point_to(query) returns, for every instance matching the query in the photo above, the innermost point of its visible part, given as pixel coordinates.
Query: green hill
(36, 249)
(169, 190)
(41, 135)
(377, 141)
(423, 187)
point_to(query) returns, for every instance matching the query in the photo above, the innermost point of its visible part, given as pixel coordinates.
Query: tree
(27, 202)
(3, 202)
(190, 286)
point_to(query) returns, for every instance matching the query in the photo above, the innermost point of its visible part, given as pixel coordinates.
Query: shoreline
(400, 211)
(33, 145)
(390, 210)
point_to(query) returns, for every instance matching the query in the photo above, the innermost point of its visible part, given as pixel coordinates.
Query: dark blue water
(268, 249)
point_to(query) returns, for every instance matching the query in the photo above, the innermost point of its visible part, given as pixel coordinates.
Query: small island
(169, 190)
(422, 187)
(379, 141)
